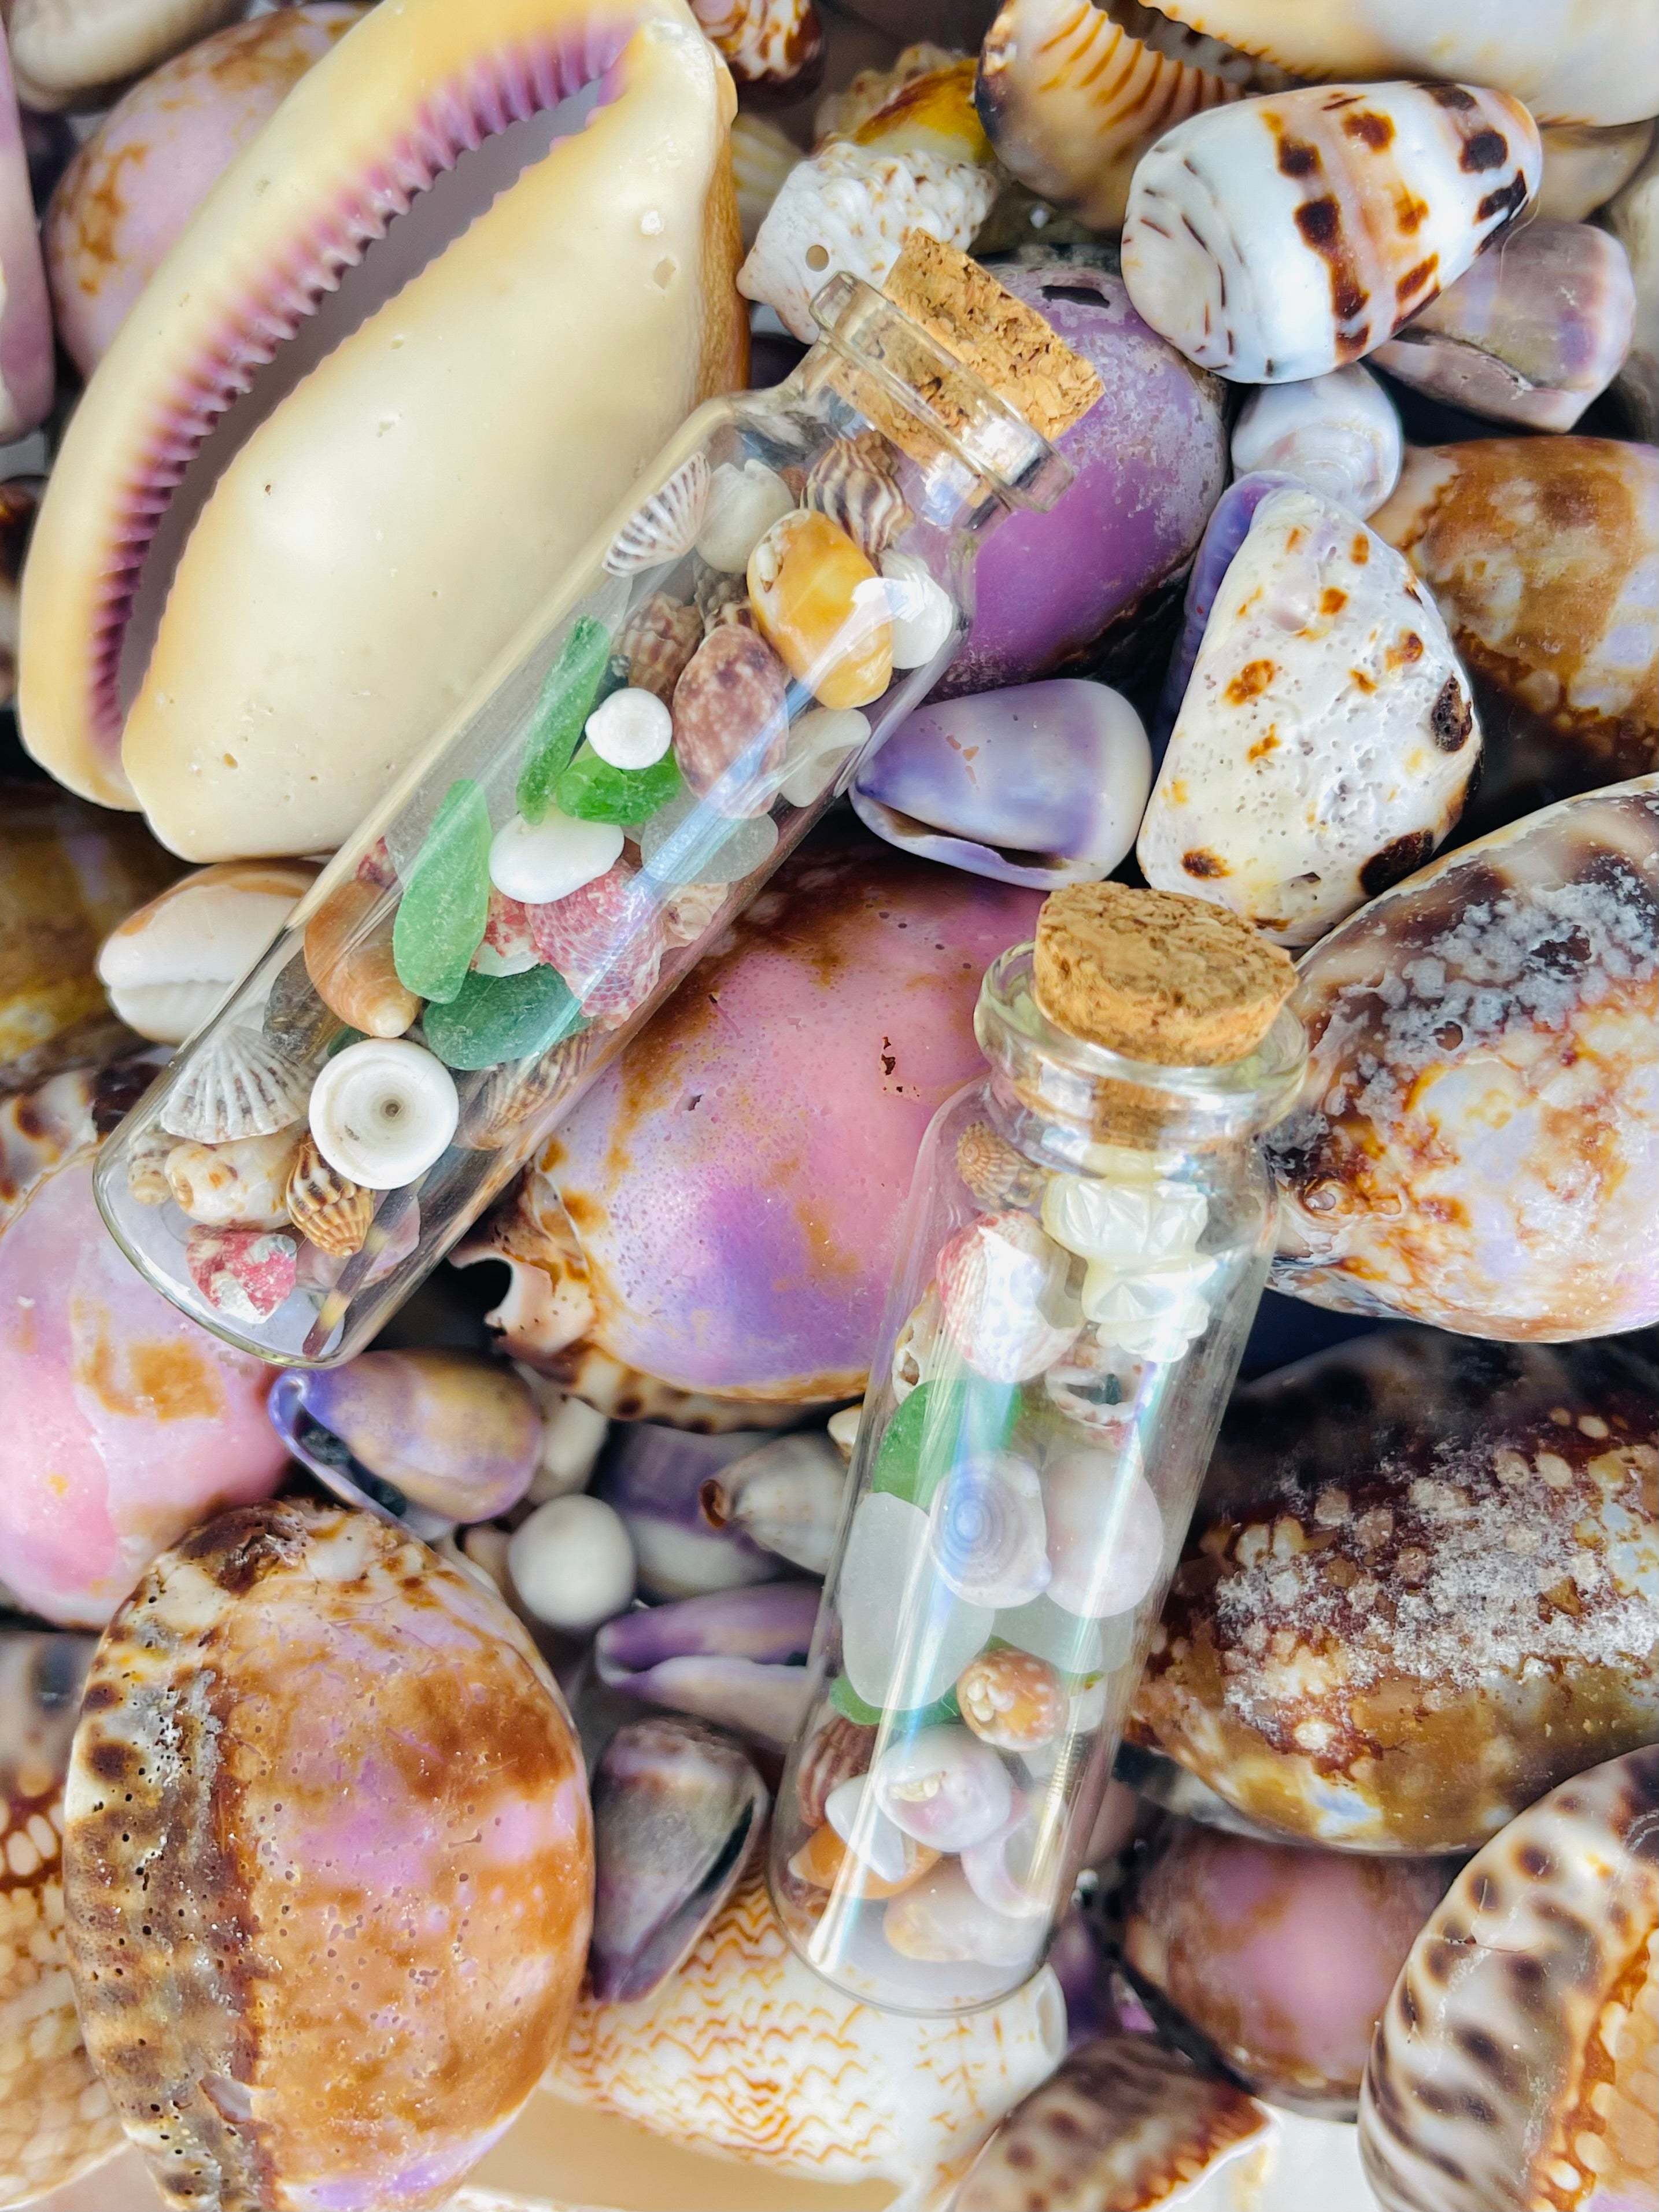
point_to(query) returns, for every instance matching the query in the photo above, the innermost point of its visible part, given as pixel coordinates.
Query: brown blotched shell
(768, 46)
(1515, 2065)
(55, 2118)
(1474, 1141)
(722, 599)
(329, 1865)
(657, 640)
(851, 483)
(731, 725)
(1421, 1588)
(328, 1211)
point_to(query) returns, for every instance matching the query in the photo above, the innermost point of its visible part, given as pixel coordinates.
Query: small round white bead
(571, 1564)
(537, 862)
(630, 729)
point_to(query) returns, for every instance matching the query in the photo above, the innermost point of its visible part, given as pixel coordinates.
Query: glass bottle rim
(1016, 463)
(1230, 1098)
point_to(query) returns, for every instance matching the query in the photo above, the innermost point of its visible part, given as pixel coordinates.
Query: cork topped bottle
(1084, 1244)
(788, 580)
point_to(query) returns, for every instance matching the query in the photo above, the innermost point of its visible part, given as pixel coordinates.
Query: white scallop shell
(1280, 238)
(763, 154)
(1338, 434)
(235, 1084)
(663, 526)
(382, 1111)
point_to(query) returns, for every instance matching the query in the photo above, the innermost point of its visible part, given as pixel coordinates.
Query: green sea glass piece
(593, 791)
(446, 902)
(496, 1017)
(556, 724)
(937, 1425)
(846, 1701)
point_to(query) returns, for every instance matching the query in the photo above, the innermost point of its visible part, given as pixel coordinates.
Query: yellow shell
(822, 608)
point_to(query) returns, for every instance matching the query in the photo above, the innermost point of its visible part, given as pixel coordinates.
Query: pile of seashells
(388, 1748)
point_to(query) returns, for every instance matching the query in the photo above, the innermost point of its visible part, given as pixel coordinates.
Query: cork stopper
(1157, 976)
(1006, 344)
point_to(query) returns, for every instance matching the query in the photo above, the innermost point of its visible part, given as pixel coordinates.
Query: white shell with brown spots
(1514, 2069)
(1476, 1144)
(1327, 737)
(1422, 1587)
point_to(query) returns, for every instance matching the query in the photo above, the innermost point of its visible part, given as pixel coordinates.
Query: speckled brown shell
(329, 1865)
(55, 2119)
(769, 46)
(729, 714)
(1474, 1139)
(1513, 2071)
(1124, 2126)
(656, 640)
(995, 1172)
(1422, 1587)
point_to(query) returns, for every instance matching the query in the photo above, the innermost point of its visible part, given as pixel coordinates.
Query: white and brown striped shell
(235, 1083)
(851, 481)
(328, 1209)
(1422, 1588)
(1279, 238)
(1515, 2065)
(658, 639)
(1072, 95)
(1475, 1142)
(663, 526)
(769, 46)
(995, 1173)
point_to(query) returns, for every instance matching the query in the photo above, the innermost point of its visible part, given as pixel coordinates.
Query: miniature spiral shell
(328, 1209)
(850, 483)
(382, 1111)
(657, 640)
(990, 1537)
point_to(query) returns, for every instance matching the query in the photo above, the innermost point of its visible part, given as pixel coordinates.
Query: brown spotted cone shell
(347, 951)
(328, 1865)
(1515, 2063)
(1123, 2125)
(841, 1749)
(851, 483)
(55, 2118)
(731, 725)
(328, 1209)
(657, 640)
(994, 1171)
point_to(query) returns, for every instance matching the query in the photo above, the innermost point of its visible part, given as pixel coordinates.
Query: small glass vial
(1085, 1242)
(788, 582)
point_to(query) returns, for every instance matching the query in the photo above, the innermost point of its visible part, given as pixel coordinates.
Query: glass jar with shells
(1085, 1240)
(794, 573)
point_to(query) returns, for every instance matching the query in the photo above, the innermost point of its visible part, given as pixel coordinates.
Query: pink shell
(508, 930)
(245, 1272)
(1002, 1285)
(606, 940)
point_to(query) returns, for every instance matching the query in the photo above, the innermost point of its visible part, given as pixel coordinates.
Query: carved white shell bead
(382, 1111)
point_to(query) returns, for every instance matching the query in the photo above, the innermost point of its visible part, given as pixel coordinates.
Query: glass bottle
(789, 580)
(1082, 1252)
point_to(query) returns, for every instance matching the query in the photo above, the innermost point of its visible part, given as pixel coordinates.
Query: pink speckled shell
(124, 1422)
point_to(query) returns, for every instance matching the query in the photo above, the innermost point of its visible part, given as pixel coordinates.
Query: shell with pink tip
(1008, 1308)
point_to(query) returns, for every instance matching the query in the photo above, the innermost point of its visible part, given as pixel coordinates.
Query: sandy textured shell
(1253, 240)
(851, 481)
(1327, 737)
(1515, 2064)
(1572, 61)
(1072, 95)
(770, 45)
(746, 2051)
(55, 2117)
(235, 1084)
(1475, 1141)
(1543, 555)
(327, 1208)
(664, 525)
(1422, 1588)
(1530, 335)
(656, 640)
(279, 2065)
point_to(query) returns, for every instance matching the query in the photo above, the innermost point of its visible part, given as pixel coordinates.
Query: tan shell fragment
(657, 640)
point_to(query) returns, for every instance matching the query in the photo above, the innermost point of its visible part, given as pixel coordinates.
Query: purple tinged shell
(1530, 334)
(1043, 784)
(27, 372)
(737, 1658)
(1150, 460)
(1228, 527)
(657, 1479)
(677, 1808)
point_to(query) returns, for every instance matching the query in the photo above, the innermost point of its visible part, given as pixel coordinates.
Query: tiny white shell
(743, 505)
(1339, 434)
(943, 1787)
(819, 743)
(235, 1084)
(168, 966)
(382, 1111)
(922, 612)
(865, 1830)
(663, 526)
(630, 729)
(571, 1564)
(537, 862)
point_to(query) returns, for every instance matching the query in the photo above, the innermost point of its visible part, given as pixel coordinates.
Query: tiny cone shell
(328, 1209)
(822, 605)
(348, 959)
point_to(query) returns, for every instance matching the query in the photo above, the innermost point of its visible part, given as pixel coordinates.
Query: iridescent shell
(1421, 1588)
(300, 1720)
(768, 46)
(55, 2117)
(1072, 95)
(1477, 1135)
(1542, 555)
(664, 525)
(1515, 2064)
(1307, 277)
(747, 2052)
(1529, 335)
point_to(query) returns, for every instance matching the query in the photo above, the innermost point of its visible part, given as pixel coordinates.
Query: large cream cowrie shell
(382, 1111)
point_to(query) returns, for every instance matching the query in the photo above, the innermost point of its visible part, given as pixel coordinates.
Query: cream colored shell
(168, 966)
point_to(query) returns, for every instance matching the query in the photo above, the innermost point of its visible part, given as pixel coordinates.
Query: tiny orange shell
(327, 1209)
(1012, 1699)
(348, 953)
(823, 607)
(822, 1860)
